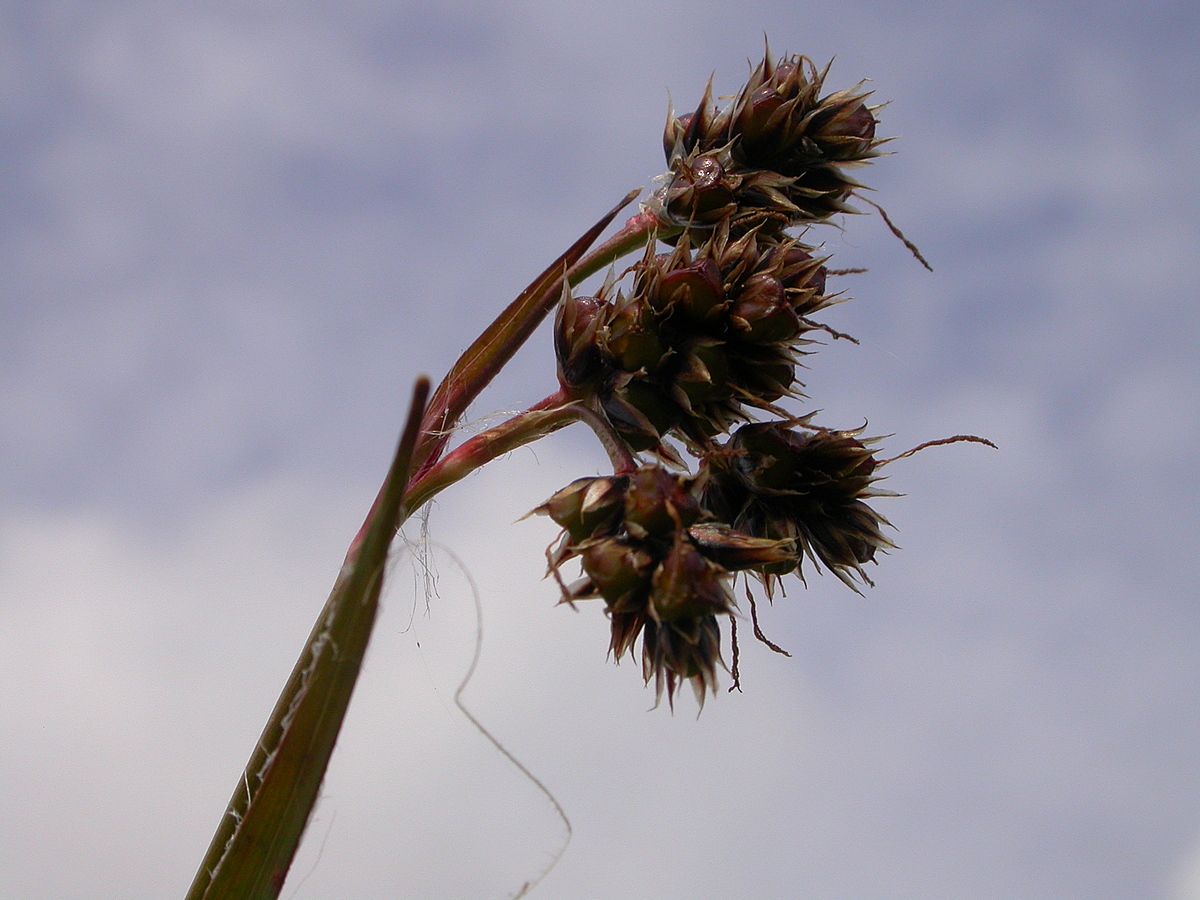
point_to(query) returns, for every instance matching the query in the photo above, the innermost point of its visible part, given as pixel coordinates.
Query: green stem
(257, 838)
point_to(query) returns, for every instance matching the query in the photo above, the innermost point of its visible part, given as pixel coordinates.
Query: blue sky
(234, 233)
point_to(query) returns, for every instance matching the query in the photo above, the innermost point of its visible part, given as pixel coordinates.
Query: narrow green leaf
(253, 848)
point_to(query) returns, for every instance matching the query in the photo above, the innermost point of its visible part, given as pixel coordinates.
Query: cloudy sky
(234, 232)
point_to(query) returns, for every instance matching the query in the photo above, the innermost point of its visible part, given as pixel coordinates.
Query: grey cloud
(232, 237)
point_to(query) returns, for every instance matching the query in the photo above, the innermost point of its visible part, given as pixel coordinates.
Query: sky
(234, 233)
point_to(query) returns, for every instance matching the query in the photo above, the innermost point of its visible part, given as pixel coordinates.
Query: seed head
(705, 334)
(778, 154)
(807, 488)
(580, 361)
(661, 569)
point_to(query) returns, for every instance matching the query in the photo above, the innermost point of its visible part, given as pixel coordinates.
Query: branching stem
(636, 233)
(539, 420)
(618, 451)
(550, 414)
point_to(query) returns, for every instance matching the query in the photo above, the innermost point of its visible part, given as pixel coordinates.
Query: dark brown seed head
(580, 360)
(775, 157)
(662, 571)
(774, 481)
(658, 504)
(587, 507)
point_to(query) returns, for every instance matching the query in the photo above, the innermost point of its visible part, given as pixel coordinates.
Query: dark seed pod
(700, 193)
(658, 504)
(618, 571)
(762, 312)
(687, 585)
(693, 292)
(587, 506)
(802, 276)
(844, 130)
(662, 571)
(580, 360)
(775, 482)
(642, 413)
(759, 118)
(630, 336)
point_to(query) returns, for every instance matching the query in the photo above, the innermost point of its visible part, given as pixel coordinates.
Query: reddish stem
(547, 416)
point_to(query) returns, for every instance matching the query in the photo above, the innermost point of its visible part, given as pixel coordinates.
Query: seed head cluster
(703, 335)
(648, 549)
(707, 337)
(776, 157)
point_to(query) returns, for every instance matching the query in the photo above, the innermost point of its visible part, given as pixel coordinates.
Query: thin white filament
(458, 701)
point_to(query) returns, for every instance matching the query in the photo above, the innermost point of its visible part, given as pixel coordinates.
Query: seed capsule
(631, 337)
(662, 571)
(779, 483)
(617, 570)
(762, 312)
(580, 359)
(693, 291)
(658, 503)
(587, 506)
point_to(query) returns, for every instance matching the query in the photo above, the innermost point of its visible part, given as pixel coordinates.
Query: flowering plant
(688, 352)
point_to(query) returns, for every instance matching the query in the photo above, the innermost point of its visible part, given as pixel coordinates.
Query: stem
(618, 452)
(493, 349)
(489, 353)
(253, 848)
(638, 231)
(551, 414)
(257, 838)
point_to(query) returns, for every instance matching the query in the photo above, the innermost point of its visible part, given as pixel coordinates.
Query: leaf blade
(254, 845)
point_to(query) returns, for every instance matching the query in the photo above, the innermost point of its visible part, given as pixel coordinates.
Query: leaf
(253, 848)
